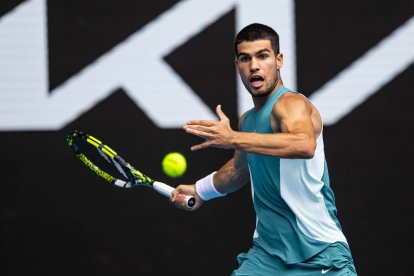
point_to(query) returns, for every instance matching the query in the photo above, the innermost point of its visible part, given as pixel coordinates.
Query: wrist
(235, 140)
(205, 188)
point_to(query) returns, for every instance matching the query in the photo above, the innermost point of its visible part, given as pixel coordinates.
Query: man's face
(258, 66)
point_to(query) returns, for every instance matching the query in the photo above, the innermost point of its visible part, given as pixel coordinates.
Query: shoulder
(294, 107)
(291, 102)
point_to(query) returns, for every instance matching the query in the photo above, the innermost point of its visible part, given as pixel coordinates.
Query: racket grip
(167, 190)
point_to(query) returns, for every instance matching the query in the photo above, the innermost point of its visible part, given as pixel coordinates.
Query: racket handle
(166, 190)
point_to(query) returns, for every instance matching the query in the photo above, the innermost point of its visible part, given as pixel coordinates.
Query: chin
(258, 94)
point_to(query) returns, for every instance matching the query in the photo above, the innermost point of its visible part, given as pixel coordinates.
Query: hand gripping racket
(106, 163)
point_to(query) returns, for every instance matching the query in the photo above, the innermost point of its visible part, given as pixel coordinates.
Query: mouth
(256, 81)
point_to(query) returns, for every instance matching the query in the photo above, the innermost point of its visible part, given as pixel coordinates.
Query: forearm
(284, 145)
(231, 177)
(294, 121)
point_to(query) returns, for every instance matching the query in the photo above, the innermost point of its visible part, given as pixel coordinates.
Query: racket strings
(122, 167)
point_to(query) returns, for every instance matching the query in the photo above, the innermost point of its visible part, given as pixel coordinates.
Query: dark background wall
(58, 219)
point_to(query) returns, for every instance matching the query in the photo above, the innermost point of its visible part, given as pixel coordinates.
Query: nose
(254, 65)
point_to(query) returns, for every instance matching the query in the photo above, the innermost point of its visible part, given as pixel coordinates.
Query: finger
(204, 129)
(181, 189)
(198, 133)
(173, 195)
(201, 122)
(220, 113)
(183, 202)
(180, 202)
(177, 205)
(201, 146)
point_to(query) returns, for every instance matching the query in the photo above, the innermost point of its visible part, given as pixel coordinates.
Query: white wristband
(205, 188)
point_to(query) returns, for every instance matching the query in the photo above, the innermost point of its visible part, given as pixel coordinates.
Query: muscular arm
(291, 119)
(295, 123)
(296, 138)
(229, 178)
(233, 175)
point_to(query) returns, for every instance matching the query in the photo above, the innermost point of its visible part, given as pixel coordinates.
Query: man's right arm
(233, 175)
(229, 178)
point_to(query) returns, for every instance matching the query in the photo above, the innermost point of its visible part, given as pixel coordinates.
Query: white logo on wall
(168, 101)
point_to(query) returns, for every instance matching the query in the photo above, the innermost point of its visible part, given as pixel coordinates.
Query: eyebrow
(258, 52)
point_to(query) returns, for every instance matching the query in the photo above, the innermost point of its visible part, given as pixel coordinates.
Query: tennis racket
(106, 163)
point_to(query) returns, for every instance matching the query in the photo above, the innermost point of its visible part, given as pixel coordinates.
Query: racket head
(105, 162)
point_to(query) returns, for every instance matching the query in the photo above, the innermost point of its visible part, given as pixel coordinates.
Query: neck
(260, 101)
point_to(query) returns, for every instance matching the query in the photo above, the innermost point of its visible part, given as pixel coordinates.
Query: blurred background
(132, 72)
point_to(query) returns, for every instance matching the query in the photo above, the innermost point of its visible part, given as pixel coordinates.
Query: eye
(263, 56)
(244, 58)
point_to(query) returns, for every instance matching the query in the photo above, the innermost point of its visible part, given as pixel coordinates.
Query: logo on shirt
(324, 271)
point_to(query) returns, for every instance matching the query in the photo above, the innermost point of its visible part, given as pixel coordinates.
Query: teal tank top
(294, 204)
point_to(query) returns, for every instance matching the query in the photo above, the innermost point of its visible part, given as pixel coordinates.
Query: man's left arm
(296, 138)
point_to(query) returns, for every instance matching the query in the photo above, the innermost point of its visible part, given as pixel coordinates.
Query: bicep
(293, 115)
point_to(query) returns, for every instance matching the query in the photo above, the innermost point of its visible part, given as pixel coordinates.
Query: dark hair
(257, 31)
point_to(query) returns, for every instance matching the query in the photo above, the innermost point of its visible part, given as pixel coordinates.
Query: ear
(236, 65)
(279, 61)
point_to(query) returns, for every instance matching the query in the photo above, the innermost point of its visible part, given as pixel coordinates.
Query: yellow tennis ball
(174, 164)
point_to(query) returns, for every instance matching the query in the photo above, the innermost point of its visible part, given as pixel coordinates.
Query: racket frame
(134, 176)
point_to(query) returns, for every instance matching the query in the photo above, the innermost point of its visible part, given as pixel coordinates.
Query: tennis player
(279, 149)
